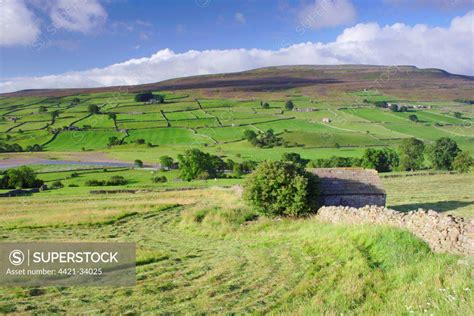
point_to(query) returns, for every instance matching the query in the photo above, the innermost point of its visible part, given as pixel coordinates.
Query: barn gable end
(355, 187)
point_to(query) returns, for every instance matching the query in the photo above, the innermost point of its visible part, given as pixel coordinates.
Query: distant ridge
(279, 78)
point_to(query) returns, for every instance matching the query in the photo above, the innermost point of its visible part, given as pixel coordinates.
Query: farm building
(355, 187)
(326, 120)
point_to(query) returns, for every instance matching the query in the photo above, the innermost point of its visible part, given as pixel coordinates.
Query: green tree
(443, 153)
(463, 162)
(42, 109)
(113, 116)
(266, 105)
(93, 109)
(23, 177)
(411, 154)
(289, 105)
(457, 114)
(195, 164)
(166, 162)
(294, 158)
(54, 115)
(279, 188)
(249, 135)
(413, 118)
(383, 160)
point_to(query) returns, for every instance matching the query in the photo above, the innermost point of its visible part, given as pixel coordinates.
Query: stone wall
(353, 200)
(443, 233)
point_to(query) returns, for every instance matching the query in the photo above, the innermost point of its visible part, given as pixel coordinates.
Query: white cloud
(18, 25)
(448, 48)
(239, 17)
(326, 13)
(80, 16)
(439, 4)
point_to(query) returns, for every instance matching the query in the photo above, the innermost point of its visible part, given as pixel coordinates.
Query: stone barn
(355, 187)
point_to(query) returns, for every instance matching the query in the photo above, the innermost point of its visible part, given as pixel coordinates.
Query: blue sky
(102, 33)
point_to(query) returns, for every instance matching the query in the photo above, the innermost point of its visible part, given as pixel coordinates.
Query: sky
(92, 43)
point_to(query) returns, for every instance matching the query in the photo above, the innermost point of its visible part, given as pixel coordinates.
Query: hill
(312, 80)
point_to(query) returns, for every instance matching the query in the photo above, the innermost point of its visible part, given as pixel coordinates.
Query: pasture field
(205, 251)
(217, 122)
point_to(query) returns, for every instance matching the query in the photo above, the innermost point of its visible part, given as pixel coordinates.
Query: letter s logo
(16, 257)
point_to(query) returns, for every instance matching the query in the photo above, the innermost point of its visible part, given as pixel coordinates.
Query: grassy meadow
(205, 251)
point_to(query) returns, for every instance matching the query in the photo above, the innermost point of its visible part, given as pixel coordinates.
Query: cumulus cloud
(18, 25)
(326, 13)
(448, 48)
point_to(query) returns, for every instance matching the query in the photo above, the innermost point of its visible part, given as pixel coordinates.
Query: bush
(140, 141)
(72, 185)
(279, 188)
(74, 175)
(383, 160)
(463, 162)
(147, 96)
(166, 162)
(95, 183)
(159, 179)
(336, 162)
(57, 185)
(138, 163)
(117, 180)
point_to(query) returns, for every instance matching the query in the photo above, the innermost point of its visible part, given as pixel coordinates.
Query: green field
(226, 263)
(223, 121)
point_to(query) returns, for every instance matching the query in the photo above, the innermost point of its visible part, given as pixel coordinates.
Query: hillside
(323, 81)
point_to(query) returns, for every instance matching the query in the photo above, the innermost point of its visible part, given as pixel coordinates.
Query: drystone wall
(443, 233)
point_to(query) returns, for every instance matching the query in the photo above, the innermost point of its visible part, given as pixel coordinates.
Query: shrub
(294, 158)
(159, 179)
(463, 162)
(74, 175)
(35, 147)
(140, 141)
(93, 109)
(413, 118)
(289, 105)
(57, 185)
(117, 180)
(383, 160)
(167, 162)
(95, 183)
(73, 185)
(138, 163)
(279, 188)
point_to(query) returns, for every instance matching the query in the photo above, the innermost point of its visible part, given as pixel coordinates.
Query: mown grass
(213, 256)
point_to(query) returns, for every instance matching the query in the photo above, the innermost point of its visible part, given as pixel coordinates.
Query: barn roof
(343, 181)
